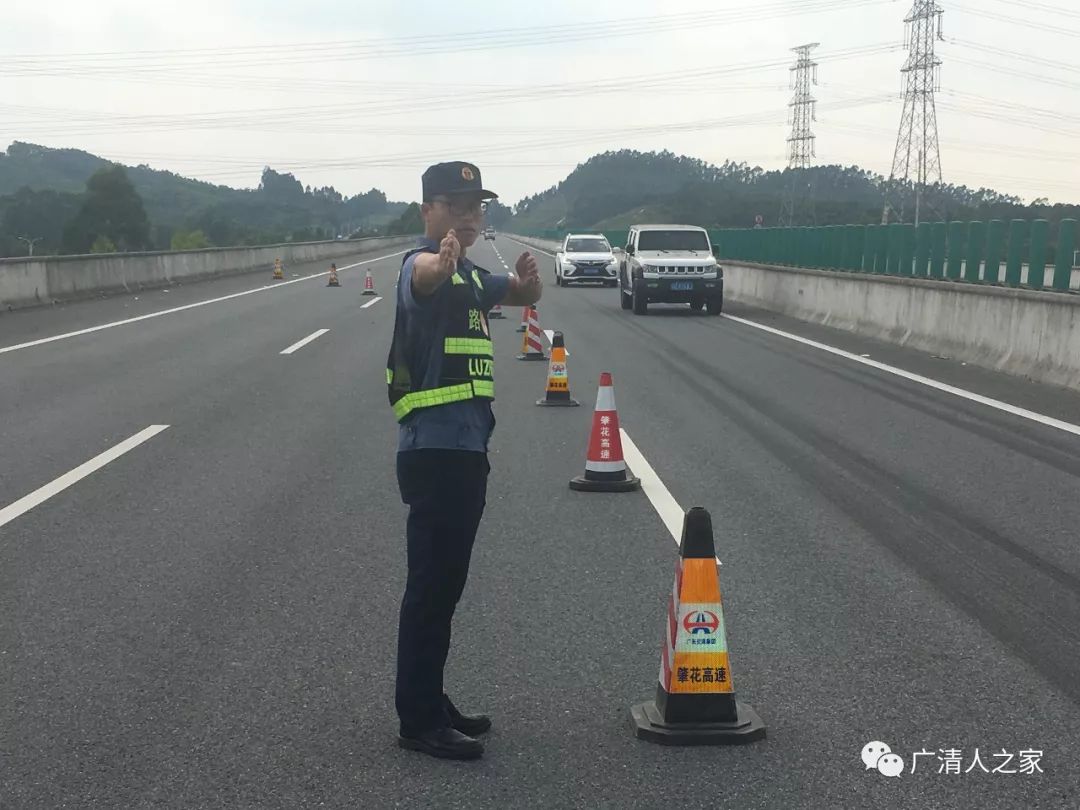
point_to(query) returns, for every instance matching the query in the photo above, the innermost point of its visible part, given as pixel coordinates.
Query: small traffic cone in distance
(333, 280)
(496, 312)
(524, 319)
(695, 700)
(605, 467)
(531, 346)
(279, 271)
(369, 284)
(558, 382)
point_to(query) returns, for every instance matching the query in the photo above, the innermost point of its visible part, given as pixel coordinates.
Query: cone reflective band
(524, 319)
(558, 382)
(496, 312)
(531, 347)
(695, 699)
(605, 467)
(369, 284)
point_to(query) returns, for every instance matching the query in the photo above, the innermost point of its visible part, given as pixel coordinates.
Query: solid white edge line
(372, 302)
(302, 343)
(662, 500)
(39, 496)
(989, 402)
(149, 315)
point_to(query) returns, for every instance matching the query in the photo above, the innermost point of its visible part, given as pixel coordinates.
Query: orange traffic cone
(333, 280)
(524, 320)
(369, 284)
(695, 700)
(279, 271)
(496, 312)
(558, 384)
(531, 347)
(605, 468)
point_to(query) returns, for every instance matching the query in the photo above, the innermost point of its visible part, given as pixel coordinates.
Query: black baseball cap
(455, 177)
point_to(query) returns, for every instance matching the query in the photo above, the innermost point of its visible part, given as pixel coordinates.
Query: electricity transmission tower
(797, 203)
(918, 158)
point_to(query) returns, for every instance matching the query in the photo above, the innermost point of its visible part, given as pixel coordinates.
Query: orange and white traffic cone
(369, 284)
(333, 280)
(524, 320)
(605, 467)
(496, 312)
(531, 347)
(279, 271)
(695, 700)
(558, 383)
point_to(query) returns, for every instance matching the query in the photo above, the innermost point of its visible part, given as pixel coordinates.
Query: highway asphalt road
(208, 619)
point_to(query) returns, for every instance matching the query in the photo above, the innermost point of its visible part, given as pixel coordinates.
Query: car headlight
(652, 268)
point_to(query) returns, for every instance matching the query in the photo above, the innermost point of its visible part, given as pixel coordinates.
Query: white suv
(670, 264)
(585, 257)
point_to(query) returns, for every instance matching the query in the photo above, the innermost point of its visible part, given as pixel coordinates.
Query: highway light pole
(30, 242)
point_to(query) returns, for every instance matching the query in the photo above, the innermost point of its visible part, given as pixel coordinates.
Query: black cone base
(649, 725)
(558, 403)
(532, 357)
(333, 284)
(368, 292)
(583, 484)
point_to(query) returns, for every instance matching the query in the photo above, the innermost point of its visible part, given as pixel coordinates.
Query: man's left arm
(525, 287)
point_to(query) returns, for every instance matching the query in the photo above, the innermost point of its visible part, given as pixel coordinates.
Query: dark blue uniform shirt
(458, 425)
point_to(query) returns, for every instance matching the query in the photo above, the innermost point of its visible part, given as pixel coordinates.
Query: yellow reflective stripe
(481, 346)
(476, 278)
(484, 388)
(457, 279)
(432, 397)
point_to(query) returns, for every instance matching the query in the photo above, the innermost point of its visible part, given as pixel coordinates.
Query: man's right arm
(431, 270)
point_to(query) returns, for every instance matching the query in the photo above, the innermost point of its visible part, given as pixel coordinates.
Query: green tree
(112, 209)
(38, 215)
(103, 244)
(409, 222)
(189, 240)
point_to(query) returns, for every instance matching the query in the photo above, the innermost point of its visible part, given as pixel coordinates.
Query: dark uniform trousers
(446, 491)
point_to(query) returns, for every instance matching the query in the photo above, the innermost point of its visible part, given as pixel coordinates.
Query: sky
(366, 93)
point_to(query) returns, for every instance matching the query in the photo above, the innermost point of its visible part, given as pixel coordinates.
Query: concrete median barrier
(1024, 332)
(51, 279)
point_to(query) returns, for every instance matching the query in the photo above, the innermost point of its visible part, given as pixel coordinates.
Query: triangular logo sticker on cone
(605, 467)
(695, 699)
(531, 347)
(496, 312)
(369, 284)
(558, 381)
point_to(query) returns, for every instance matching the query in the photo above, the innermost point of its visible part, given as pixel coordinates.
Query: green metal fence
(972, 252)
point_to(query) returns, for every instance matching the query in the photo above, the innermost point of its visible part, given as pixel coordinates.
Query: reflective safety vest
(468, 355)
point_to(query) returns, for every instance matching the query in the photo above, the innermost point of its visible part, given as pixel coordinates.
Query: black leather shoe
(471, 724)
(446, 743)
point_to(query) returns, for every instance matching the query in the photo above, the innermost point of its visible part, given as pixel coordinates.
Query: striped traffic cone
(369, 284)
(531, 347)
(524, 320)
(333, 280)
(695, 700)
(605, 468)
(279, 271)
(558, 383)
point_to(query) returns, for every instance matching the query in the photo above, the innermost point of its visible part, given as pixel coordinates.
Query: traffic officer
(441, 386)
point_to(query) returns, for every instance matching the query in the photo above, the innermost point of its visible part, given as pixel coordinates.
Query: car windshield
(588, 246)
(673, 240)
